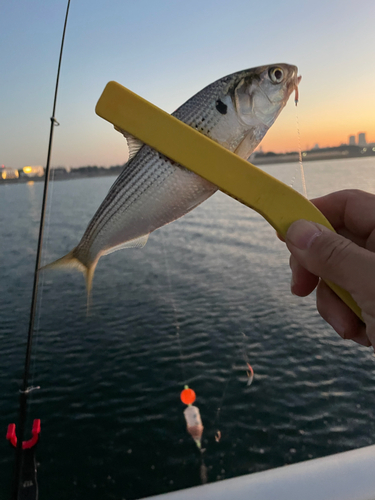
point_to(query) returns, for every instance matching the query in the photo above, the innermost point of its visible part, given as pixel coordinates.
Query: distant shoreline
(338, 153)
(281, 159)
(258, 159)
(64, 176)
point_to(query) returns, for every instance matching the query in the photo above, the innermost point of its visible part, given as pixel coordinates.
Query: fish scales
(190, 113)
(149, 165)
(148, 172)
(152, 190)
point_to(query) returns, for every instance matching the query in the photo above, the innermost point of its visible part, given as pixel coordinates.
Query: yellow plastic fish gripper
(278, 203)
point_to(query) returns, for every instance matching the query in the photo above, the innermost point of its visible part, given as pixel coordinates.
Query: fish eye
(276, 75)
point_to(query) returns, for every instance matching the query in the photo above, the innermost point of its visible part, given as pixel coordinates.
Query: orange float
(188, 396)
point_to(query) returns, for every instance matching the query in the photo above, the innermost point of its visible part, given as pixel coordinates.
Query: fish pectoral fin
(134, 145)
(247, 144)
(136, 243)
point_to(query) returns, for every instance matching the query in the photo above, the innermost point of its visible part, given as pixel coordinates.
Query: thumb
(332, 257)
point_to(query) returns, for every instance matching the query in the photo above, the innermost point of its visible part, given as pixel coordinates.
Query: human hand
(346, 258)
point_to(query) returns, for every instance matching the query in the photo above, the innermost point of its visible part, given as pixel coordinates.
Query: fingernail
(302, 233)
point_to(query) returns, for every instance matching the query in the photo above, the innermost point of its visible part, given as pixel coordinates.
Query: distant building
(362, 139)
(36, 171)
(8, 173)
(316, 146)
(352, 140)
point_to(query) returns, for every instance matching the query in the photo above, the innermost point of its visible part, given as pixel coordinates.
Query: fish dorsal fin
(134, 145)
(136, 243)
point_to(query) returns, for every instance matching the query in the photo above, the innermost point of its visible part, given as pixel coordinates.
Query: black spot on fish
(221, 107)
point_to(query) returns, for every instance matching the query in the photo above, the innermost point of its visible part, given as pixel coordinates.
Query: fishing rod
(24, 392)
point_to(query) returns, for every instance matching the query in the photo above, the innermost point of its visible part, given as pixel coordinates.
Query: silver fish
(235, 111)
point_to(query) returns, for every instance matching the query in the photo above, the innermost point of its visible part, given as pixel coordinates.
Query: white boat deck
(344, 476)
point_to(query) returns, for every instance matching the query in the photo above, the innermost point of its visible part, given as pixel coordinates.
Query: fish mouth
(295, 88)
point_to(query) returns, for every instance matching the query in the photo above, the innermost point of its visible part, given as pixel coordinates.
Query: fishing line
(177, 327)
(221, 403)
(176, 322)
(242, 350)
(17, 482)
(299, 170)
(250, 371)
(300, 158)
(194, 431)
(42, 281)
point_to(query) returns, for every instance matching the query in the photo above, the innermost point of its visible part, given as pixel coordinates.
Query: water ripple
(208, 294)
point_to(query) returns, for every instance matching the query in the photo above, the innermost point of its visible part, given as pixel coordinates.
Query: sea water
(206, 294)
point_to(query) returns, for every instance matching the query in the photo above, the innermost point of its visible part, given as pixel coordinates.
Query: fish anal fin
(136, 243)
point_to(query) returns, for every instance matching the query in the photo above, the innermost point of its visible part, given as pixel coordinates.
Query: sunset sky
(166, 51)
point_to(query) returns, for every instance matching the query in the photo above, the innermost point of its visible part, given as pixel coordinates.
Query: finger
(303, 282)
(281, 238)
(340, 316)
(351, 209)
(332, 257)
(357, 239)
(370, 327)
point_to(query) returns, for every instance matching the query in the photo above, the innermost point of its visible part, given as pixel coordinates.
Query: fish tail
(71, 261)
(89, 276)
